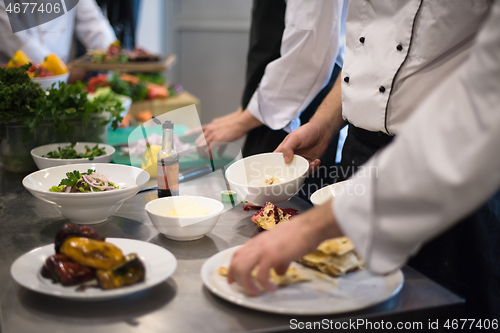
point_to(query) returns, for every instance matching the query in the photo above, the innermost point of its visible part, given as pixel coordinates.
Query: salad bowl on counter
(98, 193)
(40, 154)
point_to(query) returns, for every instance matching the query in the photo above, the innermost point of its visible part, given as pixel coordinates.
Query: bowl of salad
(86, 193)
(111, 99)
(66, 153)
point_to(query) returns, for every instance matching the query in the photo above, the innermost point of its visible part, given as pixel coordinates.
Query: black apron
(466, 258)
(268, 24)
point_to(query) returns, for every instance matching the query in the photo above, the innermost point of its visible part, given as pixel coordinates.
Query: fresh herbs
(18, 94)
(85, 182)
(25, 102)
(69, 152)
(70, 102)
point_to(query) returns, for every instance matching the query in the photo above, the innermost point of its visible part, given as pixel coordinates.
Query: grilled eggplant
(73, 230)
(60, 268)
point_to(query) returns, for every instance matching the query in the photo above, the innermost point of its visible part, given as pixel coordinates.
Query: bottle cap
(168, 124)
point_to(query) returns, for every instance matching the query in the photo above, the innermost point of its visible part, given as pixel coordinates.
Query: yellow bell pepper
(19, 59)
(55, 65)
(93, 253)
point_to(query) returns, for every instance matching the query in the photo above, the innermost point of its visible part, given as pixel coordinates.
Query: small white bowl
(246, 175)
(46, 82)
(194, 227)
(45, 162)
(87, 208)
(321, 196)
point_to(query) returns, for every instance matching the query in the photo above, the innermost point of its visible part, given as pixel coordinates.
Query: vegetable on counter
(136, 87)
(69, 152)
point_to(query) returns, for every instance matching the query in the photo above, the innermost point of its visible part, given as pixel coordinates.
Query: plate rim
(205, 270)
(94, 297)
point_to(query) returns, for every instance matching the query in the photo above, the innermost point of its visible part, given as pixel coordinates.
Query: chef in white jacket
(430, 72)
(56, 36)
(313, 42)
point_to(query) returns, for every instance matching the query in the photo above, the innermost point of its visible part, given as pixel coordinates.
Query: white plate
(320, 296)
(160, 265)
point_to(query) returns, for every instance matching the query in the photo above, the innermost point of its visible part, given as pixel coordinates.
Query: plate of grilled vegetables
(81, 265)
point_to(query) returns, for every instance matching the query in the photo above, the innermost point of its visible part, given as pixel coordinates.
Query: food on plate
(86, 182)
(292, 275)
(74, 230)
(92, 253)
(187, 209)
(129, 272)
(270, 181)
(69, 152)
(19, 59)
(269, 216)
(108, 97)
(114, 54)
(335, 257)
(140, 54)
(54, 64)
(38, 71)
(60, 268)
(82, 256)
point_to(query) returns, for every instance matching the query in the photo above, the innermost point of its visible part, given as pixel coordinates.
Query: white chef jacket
(399, 52)
(442, 166)
(56, 36)
(313, 41)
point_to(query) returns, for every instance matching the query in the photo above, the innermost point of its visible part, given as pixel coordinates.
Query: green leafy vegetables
(23, 101)
(69, 152)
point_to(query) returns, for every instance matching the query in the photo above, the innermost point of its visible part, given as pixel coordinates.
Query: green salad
(69, 152)
(86, 182)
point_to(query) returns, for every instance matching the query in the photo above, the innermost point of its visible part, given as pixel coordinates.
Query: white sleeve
(92, 28)
(443, 165)
(311, 42)
(26, 41)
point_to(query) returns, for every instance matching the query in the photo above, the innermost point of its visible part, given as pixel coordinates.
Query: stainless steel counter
(182, 303)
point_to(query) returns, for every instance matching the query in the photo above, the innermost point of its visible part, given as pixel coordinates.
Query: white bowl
(45, 162)
(246, 175)
(46, 82)
(87, 208)
(321, 196)
(184, 228)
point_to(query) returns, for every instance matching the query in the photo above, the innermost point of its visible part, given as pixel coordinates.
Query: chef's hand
(277, 247)
(309, 140)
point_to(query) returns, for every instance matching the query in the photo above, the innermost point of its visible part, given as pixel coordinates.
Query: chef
(56, 36)
(429, 72)
(312, 44)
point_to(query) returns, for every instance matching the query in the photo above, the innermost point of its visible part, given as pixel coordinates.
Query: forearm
(247, 122)
(329, 114)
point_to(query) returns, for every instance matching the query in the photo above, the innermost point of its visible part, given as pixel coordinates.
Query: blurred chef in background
(430, 72)
(286, 69)
(85, 20)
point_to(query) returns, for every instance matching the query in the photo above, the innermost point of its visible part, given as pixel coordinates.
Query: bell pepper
(132, 271)
(19, 59)
(92, 253)
(55, 65)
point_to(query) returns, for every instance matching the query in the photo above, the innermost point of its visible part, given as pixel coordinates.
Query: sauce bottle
(168, 164)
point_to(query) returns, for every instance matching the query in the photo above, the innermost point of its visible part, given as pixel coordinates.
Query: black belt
(372, 139)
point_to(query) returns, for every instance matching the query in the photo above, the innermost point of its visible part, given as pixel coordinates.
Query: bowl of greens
(112, 100)
(48, 156)
(86, 193)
